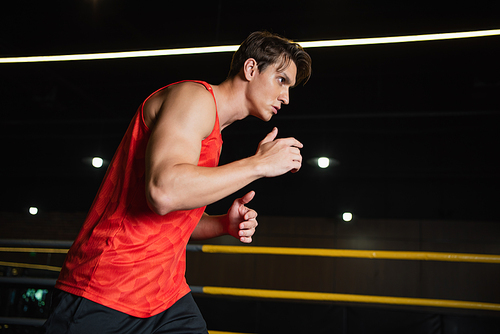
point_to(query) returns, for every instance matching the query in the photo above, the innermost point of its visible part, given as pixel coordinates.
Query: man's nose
(284, 97)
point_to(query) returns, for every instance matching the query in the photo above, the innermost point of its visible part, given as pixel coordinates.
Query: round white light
(33, 210)
(97, 162)
(347, 216)
(323, 162)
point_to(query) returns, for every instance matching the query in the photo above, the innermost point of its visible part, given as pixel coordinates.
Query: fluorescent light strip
(232, 48)
(401, 39)
(117, 55)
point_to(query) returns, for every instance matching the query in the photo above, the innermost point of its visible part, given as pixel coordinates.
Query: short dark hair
(267, 49)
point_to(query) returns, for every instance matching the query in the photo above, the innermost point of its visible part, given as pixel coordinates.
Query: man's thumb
(248, 197)
(270, 136)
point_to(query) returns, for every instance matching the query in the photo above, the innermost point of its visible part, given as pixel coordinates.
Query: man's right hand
(278, 156)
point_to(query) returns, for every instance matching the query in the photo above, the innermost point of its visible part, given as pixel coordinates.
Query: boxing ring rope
(323, 252)
(296, 295)
(30, 266)
(338, 297)
(368, 254)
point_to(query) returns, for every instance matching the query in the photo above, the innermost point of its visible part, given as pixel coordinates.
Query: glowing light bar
(400, 39)
(232, 48)
(117, 55)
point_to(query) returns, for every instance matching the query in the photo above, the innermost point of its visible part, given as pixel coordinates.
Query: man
(125, 271)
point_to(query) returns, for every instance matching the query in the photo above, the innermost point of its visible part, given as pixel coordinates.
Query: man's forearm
(209, 227)
(184, 186)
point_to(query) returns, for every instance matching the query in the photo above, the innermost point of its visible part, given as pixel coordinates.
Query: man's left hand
(242, 221)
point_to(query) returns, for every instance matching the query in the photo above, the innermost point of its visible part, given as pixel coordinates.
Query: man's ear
(250, 68)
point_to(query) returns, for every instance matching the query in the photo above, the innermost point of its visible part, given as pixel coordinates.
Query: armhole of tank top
(208, 87)
(141, 107)
(141, 110)
(216, 123)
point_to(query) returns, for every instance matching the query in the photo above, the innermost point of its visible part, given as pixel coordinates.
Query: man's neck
(231, 102)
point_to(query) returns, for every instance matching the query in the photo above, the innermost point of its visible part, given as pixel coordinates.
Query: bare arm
(239, 222)
(173, 179)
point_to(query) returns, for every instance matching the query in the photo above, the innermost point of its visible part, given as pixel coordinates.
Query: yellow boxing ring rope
(370, 254)
(314, 296)
(337, 297)
(322, 252)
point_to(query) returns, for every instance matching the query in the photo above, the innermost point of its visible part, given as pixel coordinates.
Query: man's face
(270, 89)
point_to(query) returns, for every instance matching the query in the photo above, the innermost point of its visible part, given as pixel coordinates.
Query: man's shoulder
(188, 91)
(191, 89)
(184, 99)
(194, 97)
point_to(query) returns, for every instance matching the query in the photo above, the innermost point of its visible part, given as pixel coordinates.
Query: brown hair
(267, 49)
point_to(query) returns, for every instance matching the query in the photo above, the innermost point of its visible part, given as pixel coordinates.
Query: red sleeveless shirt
(127, 257)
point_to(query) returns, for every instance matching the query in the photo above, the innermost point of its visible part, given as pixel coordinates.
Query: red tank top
(127, 257)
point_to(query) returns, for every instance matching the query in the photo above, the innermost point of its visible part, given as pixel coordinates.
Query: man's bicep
(178, 132)
(170, 145)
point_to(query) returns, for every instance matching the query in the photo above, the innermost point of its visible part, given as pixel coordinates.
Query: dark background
(413, 126)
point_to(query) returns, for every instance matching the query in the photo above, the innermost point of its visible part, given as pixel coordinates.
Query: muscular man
(125, 271)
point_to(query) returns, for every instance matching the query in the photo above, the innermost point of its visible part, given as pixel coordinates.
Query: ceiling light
(232, 48)
(347, 216)
(97, 162)
(323, 162)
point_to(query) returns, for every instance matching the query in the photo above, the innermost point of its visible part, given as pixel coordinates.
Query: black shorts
(72, 314)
